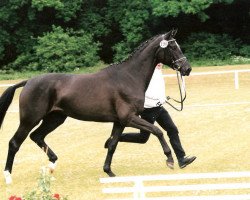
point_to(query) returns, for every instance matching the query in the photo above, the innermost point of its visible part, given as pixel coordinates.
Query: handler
(154, 112)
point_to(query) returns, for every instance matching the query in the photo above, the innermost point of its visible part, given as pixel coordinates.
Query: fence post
(139, 190)
(236, 80)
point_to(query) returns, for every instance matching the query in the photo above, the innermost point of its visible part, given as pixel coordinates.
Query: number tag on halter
(163, 44)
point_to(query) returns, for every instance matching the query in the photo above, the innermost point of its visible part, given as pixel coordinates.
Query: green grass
(217, 135)
(15, 75)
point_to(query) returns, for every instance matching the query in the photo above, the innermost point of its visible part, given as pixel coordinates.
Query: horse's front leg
(137, 122)
(115, 135)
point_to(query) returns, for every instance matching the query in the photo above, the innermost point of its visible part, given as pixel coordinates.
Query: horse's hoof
(106, 145)
(52, 167)
(108, 171)
(111, 174)
(170, 163)
(7, 176)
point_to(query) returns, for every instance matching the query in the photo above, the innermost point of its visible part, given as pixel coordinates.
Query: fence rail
(139, 190)
(6, 85)
(236, 75)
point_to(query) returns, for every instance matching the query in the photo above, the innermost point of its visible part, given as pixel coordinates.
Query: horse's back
(88, 97)
(85, 97)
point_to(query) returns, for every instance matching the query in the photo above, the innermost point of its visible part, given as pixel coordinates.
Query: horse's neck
(142, 68)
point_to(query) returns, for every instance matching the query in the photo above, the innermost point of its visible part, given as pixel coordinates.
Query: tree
(59, 51)
(132, 19)
(119, 26)
(175, 7)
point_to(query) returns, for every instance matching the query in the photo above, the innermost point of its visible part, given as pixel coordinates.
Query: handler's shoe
(183, 162)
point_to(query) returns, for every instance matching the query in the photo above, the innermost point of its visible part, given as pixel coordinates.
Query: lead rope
(181, 88)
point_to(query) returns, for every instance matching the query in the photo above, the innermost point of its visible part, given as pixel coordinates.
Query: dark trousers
(162, 117)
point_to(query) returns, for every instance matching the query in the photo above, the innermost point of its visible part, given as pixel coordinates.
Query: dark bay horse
(114, 94)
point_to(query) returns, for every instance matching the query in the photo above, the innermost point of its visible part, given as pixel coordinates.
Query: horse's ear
(173, 32)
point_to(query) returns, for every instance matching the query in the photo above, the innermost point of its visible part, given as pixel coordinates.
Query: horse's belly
(90, 113)
(88, 105)
(95, 118)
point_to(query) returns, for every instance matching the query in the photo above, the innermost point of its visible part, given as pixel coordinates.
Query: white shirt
(155, 95)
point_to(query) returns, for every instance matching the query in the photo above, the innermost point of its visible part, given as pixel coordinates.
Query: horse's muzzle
(185, 69)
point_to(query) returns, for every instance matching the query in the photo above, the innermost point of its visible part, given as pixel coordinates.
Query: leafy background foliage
(58, 51)
(211, 46)
(64, 35)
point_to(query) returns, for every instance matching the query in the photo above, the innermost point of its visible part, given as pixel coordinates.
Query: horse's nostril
(188, 71)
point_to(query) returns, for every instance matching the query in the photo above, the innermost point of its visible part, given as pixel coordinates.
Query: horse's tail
(6, 99)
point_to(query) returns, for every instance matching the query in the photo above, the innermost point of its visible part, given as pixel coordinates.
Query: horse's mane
(138, 49)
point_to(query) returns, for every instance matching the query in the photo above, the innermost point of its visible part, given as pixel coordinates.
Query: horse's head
(170, 54)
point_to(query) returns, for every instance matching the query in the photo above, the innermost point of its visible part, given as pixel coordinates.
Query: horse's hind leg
(14, 145)
(116, 133)
(50, 123)
(142, 124)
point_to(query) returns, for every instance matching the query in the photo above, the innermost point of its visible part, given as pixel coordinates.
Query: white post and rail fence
(225, 182)
(235, 72)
